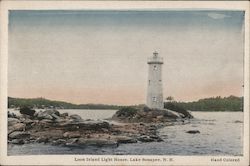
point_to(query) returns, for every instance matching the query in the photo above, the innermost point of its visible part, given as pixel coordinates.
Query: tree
(170, 99)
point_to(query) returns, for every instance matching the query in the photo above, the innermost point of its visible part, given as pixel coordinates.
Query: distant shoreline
(213, 104)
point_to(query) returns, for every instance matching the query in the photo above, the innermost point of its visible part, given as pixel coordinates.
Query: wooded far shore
(230, 103)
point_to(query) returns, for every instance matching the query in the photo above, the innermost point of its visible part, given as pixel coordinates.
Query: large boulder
(19, 135)
(171, 114)
(12, 121)
(146, 115)
(16, 127)
(173, 107)
(76, 117)
(50, 114)
(17, 141)
(43, 115)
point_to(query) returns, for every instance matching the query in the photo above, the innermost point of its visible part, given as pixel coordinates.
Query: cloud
(217, 16)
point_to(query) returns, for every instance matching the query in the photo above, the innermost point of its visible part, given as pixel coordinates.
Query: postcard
(124, 83)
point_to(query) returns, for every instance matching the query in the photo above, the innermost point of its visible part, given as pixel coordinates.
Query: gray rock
(72, 142)
(42, 139)
(145, 138)
(75, 117)
(16, 127)
(59, 142)
(193, 131)
(42, 115)
(64, 114)
(152, 128)
(124, 139)
(19, 135)
(17, 141)
(48, 114)
(11, 115)
(24, 117)
(36, 113)
(49, 117)
(160, 117)
(46, 121)
(28, 121)
(12, 121)
(72, 134)
(156, 138)
(179, 110)
(55, 116)
(52, 111)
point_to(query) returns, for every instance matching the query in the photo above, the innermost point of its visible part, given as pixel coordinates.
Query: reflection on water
(221, 133)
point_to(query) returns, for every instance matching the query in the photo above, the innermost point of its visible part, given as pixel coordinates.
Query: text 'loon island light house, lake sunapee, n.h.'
(155, 90)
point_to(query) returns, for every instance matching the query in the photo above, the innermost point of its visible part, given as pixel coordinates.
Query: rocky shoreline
(51, 127)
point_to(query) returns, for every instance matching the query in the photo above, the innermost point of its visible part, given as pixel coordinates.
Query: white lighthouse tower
(155, 92)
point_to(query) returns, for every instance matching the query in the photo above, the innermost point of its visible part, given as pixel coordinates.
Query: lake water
(221, 133)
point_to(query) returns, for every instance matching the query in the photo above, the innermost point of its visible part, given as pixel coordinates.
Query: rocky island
(128, 125)
(133, 124)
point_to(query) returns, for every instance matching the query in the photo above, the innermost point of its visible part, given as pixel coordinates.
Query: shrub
(126, 111)
(27, 111)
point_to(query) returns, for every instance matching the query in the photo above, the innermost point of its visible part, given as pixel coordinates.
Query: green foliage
(231, 103)
(170, 98)
(27, 111)
(127, 111)
(45, 103)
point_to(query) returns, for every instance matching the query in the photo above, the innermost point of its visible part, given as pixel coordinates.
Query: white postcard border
(116, 5)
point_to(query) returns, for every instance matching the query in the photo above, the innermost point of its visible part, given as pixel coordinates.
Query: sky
(101, 56)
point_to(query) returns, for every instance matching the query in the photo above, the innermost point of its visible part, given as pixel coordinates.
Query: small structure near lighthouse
(155, 90)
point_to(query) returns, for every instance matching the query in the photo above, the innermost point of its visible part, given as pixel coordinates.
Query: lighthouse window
(155, 67)
(149, 82)
(159, 80)
(154, 99)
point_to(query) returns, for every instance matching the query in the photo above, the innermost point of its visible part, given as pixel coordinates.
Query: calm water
(221, 133)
